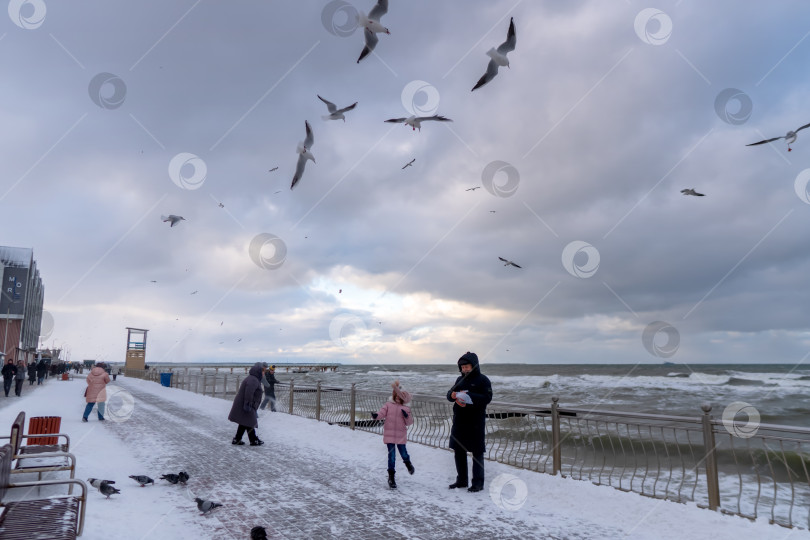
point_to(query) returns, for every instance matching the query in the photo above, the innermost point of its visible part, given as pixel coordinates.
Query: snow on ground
(311, 479)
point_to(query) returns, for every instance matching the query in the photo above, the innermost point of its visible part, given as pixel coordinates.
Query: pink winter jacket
(97, 381)
(395, 429)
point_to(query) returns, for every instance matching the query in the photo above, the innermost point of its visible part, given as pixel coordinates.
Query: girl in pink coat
(397, 416)
(96, 393)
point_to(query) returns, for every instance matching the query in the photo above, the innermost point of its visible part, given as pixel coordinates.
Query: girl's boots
(392, 483)
(409, 466)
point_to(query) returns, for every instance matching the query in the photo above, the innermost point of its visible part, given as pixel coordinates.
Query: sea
(779, 392)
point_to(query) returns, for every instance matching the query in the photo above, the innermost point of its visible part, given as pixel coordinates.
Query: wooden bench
(65, 460)
(54, 518)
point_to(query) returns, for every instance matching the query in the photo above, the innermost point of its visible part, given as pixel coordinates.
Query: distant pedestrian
(469, 417)
(269, 383)
(32, 373)
(19, 378)
(96, 392)
(247, 400)
(115, 371)
(9, 371)
(397, 416)
(42, 370)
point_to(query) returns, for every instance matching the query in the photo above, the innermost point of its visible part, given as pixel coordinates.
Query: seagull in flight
(416, 121)
(790, 138)
(473, 188)
(273, 169)
(221, 205)
(509, 263)
(692, 192)
(304, 154)
(372, 27)
(498, 56)
(171, 218)
(195, 292)
(410, 163)
(334, 112)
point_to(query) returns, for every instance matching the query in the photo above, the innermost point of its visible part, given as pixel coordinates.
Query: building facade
(21, 299)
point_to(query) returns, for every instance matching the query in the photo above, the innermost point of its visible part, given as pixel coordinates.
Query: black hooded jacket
(469, 421)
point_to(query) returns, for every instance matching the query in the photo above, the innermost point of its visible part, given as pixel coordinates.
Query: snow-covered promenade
(313, 480)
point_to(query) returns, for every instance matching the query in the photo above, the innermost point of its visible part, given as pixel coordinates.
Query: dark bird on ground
(183, 477)
(371, 27)
(692, 192)
(416, 121)
(304, 154)
(142, 479)
(106, 489)
(334, 112)
(790, 137)
(172, 219)
(96, 482)
(206, 506)
(258, 533)
(171, 478)
(498, 56)
(410, 163)
(509, 263)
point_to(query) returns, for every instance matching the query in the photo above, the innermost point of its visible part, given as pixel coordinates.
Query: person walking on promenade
(472, 392)
(19, 378)
(9, 371)
(32, 373)
(243, 411)
(115, 371)
(269, 383)
(397, 416)
(96, 393)
(42, 370)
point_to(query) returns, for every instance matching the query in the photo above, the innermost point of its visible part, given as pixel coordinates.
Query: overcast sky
(116, 113)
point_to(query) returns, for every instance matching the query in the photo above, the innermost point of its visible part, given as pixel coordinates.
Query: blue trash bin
(166, 379)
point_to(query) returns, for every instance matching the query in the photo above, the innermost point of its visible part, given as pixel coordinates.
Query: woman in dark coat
(243, 410)
(42, 369)
(32, 373)
(467, 434)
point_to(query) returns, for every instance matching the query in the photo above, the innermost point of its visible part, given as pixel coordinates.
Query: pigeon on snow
(171, 478)
(304, 154)
(106, 489)
(96, 482)
(142, 479)
(258, 533)
(371, 26)
(171, 218)
(334, 112)
(206, 506)
(183, 477)
(498, 56)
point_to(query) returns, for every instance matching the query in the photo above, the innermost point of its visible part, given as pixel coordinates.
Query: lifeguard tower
(136, 348)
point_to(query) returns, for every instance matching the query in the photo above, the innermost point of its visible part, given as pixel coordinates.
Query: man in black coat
(269, 383)
(467, 434)
(9, 371)
(32, 373)
(42, 370)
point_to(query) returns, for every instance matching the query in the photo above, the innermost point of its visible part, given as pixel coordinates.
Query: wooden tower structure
(136, 348)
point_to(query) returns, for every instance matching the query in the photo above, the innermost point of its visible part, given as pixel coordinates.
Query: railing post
(712, 485)
(318, 402)
(205, 383)
(555, 435)
(352, 411)
(292, 385)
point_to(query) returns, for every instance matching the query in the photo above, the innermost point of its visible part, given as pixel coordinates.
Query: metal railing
(683, 459)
